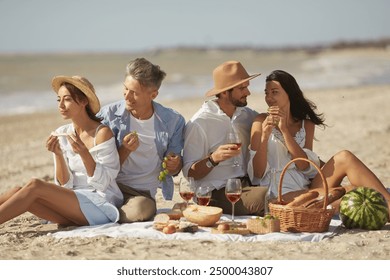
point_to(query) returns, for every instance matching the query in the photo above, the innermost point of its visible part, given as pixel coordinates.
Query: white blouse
(107, 168)
(277, 158)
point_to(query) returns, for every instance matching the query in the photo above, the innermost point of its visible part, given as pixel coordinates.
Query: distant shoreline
(382, 43)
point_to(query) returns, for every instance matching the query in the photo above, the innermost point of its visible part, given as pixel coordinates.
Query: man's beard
(237, 102)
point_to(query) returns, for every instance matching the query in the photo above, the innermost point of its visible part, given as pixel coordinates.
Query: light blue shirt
(169, 127)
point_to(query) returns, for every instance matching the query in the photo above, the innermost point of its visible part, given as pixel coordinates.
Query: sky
(38, 26)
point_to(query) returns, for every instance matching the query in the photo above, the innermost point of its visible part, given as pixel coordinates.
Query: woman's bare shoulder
(261, 117)
(103, 134)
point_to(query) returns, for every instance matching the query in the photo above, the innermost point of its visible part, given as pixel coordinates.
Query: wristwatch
(210, 163)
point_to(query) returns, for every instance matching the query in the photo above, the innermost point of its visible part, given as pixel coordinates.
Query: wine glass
(272, 191)
(187, 188)
(233, 190)
(203, 195)
(233, 138)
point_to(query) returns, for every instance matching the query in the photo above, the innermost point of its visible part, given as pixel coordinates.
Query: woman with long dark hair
(286, 132)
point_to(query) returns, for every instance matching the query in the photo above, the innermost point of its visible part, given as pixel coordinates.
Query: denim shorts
(95, 208)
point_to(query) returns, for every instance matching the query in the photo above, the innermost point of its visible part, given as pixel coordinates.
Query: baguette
(333, 195)
(303, 198)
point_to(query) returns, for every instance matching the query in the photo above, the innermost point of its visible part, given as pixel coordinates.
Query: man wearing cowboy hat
(207, 157)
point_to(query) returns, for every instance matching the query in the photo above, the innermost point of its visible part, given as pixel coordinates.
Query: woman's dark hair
(300, 107)
(79, 96)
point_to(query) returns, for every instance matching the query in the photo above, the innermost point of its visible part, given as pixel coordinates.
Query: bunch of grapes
(164, 172)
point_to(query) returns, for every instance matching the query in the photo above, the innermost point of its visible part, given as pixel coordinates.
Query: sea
(25, 79)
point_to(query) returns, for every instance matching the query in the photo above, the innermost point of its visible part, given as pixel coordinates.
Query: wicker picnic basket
(301, 219)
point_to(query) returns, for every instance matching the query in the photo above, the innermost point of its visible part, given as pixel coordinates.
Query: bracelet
(211, 160)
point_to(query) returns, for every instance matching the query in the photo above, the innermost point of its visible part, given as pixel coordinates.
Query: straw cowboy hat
(229, 75)
(82, 84)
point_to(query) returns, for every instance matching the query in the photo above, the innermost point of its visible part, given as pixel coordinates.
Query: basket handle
(280, 200)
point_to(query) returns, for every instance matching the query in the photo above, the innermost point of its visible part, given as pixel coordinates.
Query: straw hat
(82, 84)
(229, 75)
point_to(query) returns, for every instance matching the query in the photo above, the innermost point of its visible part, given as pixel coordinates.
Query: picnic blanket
(145, 230)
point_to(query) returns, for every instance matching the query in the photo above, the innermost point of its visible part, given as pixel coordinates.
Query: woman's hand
(283, 121)
(53, 145)
(78, 146)
(267, 126)
(279, 117)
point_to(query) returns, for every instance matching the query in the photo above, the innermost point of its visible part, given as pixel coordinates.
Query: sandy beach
(358, 120)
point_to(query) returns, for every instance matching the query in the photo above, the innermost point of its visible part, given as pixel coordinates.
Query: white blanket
(145, 230)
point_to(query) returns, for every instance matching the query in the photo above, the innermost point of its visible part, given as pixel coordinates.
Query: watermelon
(364, 208)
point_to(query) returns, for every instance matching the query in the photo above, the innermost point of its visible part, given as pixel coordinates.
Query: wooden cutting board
(239, 229)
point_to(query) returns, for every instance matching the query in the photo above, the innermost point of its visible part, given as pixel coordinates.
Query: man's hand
(170, 165)
(131, 141)
(225, 152)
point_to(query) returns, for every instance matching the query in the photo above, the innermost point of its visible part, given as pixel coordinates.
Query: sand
(358, 120)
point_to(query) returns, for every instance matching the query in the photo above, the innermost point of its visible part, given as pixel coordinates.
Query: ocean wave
(324, 70)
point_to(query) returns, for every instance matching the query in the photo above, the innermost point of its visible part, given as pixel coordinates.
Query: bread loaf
(333, 195)
(303, 198)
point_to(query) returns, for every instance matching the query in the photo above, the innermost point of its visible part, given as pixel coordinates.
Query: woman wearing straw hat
(207, 156)
(86, 164)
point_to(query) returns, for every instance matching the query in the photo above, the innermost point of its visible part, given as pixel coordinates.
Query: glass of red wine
(233, 138)
(187, 188)
(233, 190)
(203, 195)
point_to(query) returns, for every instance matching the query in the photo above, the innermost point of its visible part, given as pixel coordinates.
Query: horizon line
(314, 47)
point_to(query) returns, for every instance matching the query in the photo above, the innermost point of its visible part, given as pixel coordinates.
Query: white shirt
(142, 167)
(206, 131)
(107, 167)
